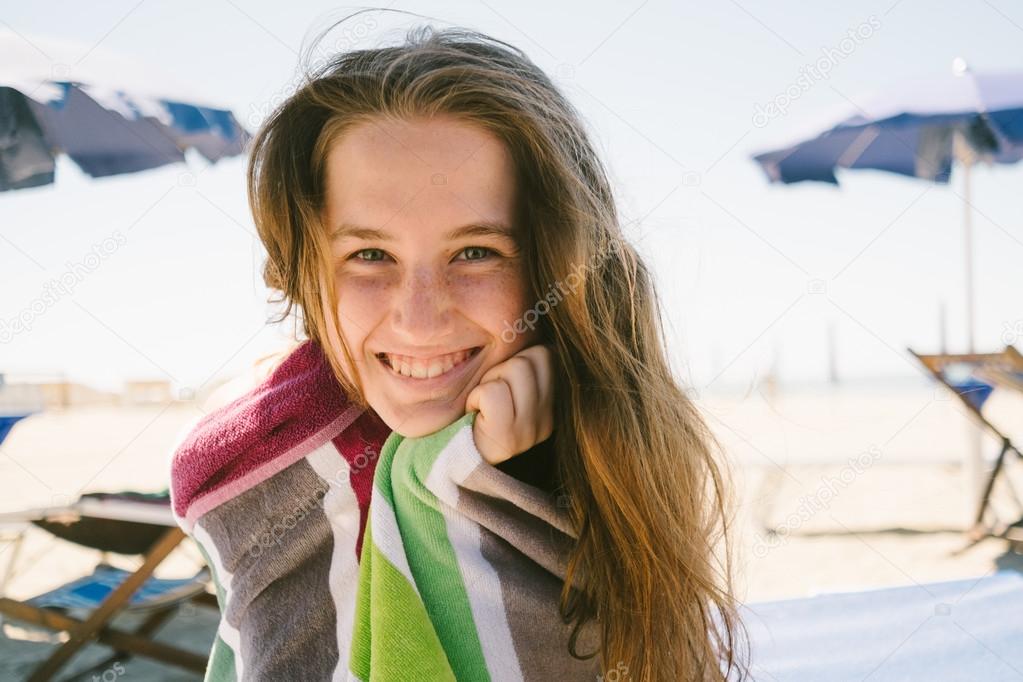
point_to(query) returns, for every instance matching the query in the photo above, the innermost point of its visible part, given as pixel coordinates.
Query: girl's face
(427, 268)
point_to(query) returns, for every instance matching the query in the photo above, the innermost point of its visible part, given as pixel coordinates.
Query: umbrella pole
(967, 162)
(975, 456)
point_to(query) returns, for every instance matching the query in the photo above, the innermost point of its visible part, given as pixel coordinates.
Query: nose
(421, 313)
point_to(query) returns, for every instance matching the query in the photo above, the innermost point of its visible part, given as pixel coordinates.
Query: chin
(427, 420)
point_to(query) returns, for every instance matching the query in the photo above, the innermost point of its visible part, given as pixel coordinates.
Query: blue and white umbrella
(99, 109)
(109, 112)
(105, 131)
(918, 129)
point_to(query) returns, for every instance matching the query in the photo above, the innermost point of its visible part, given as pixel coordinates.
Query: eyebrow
(477, 229)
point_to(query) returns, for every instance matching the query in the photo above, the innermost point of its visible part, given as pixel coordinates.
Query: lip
(441, 381)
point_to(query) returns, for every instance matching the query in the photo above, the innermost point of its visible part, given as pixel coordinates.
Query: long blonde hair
(637, 464)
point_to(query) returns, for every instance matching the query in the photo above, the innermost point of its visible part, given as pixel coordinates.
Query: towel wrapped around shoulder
(342, 551)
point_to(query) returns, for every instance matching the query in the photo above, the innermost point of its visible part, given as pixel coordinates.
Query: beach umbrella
(918, 129)
(109, 113)
(104, 130)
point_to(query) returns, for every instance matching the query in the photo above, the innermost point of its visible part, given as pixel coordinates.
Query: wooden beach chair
(972, 377)
(123, 523)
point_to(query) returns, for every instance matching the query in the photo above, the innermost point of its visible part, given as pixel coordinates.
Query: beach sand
(863, 486)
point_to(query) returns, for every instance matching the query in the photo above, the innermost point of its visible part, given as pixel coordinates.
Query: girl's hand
(515, 403)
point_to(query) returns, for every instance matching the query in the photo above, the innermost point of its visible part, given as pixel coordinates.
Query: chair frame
(1008, 358)
(97, 626)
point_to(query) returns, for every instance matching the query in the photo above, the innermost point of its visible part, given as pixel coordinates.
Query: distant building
(64, 394)
(146, 392)
(25, 396)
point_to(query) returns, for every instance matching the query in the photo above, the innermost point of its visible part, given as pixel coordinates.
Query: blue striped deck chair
(83, 595)
(81, 612)
(973, 377)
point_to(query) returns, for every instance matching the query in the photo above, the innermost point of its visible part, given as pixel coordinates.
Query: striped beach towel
(341, 551)
(439, 598)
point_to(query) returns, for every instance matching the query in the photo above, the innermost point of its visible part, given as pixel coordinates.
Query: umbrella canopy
(917, 129)
(911, 129)
(105, 131)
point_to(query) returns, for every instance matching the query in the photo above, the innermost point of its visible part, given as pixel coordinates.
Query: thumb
(472, 402)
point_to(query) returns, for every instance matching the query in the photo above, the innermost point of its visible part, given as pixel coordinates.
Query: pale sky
(669, 91)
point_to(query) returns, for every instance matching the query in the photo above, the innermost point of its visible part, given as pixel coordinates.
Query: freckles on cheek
(360, 288)
(361, 301)
(499, 296)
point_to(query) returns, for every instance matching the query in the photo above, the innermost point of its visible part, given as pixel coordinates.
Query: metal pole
(975, 456)
(832, 354)
(942, 331)
(968, 252)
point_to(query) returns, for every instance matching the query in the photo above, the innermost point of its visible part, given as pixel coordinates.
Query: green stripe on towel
(413, 630)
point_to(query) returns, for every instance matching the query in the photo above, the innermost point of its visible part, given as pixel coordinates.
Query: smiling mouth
(426, 368)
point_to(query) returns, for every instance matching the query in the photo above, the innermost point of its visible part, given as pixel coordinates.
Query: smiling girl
(424, 241)
(437, 215)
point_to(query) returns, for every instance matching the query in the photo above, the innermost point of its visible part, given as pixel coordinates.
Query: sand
(863, 486)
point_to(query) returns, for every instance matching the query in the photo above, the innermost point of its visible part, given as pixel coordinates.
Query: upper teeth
(425, 368)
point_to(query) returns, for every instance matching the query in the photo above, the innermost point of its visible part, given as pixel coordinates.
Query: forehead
(419, 174)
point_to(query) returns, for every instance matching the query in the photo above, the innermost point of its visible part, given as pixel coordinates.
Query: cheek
(493, 301)
(361, 303)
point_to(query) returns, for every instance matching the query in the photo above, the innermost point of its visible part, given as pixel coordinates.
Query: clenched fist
(515, 403)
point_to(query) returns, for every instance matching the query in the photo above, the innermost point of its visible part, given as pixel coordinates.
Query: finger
(495, 414)
(542, 359)
(519, 374)
(543, 364)
(495, 405)
(492, 374)
(472, 401)
(495, 373)
(532, 399)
